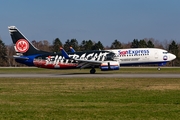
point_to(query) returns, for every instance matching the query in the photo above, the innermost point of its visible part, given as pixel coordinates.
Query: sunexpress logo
(165, 57)
(135, 52)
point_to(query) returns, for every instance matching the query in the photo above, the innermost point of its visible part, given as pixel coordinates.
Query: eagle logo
(22, 45)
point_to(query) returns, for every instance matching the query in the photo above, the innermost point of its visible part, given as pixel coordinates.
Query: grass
(89, 99)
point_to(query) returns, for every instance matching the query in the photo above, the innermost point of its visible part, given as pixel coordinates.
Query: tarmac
(77, 75)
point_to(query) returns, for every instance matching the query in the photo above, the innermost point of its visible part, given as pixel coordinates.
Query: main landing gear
(93, 70)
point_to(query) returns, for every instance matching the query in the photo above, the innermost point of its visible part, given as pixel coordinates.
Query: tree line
(7, 51)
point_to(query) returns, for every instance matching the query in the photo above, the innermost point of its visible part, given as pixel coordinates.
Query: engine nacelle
(110, 65)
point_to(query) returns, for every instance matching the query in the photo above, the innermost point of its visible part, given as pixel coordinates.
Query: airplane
(28, 54)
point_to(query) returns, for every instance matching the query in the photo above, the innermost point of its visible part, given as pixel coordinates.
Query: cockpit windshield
(165, 52)
(110, 56)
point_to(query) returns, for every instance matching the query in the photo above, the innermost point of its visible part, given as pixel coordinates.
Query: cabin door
(156, 54)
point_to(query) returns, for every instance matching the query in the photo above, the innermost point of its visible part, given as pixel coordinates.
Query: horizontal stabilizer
(20, 57)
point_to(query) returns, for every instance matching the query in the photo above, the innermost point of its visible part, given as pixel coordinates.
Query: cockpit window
(165, 52)
(110, 56)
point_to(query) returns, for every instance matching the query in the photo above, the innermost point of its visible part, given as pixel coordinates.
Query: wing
(87, 63)
(82, 63)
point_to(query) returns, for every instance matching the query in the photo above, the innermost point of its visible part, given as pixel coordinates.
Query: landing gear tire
(92, 71)
(159, 68)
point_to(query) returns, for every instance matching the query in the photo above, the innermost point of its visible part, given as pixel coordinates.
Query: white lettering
(83, 56)
(90, 56)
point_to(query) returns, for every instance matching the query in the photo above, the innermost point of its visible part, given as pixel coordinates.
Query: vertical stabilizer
(22, 45)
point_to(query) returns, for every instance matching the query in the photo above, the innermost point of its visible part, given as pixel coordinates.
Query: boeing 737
(28, 54)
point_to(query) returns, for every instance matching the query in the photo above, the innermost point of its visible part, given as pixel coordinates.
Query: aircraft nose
(172, 56)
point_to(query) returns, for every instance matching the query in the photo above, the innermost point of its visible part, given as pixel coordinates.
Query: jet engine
(109, 65)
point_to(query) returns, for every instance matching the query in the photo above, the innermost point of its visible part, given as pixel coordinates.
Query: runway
(77, 75)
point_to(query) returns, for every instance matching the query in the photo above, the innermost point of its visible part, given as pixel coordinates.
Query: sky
(96, 20)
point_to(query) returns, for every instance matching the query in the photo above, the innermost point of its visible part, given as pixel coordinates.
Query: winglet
(64, 53)
(72, 50)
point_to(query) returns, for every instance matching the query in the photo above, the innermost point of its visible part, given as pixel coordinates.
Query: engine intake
(109, 65)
